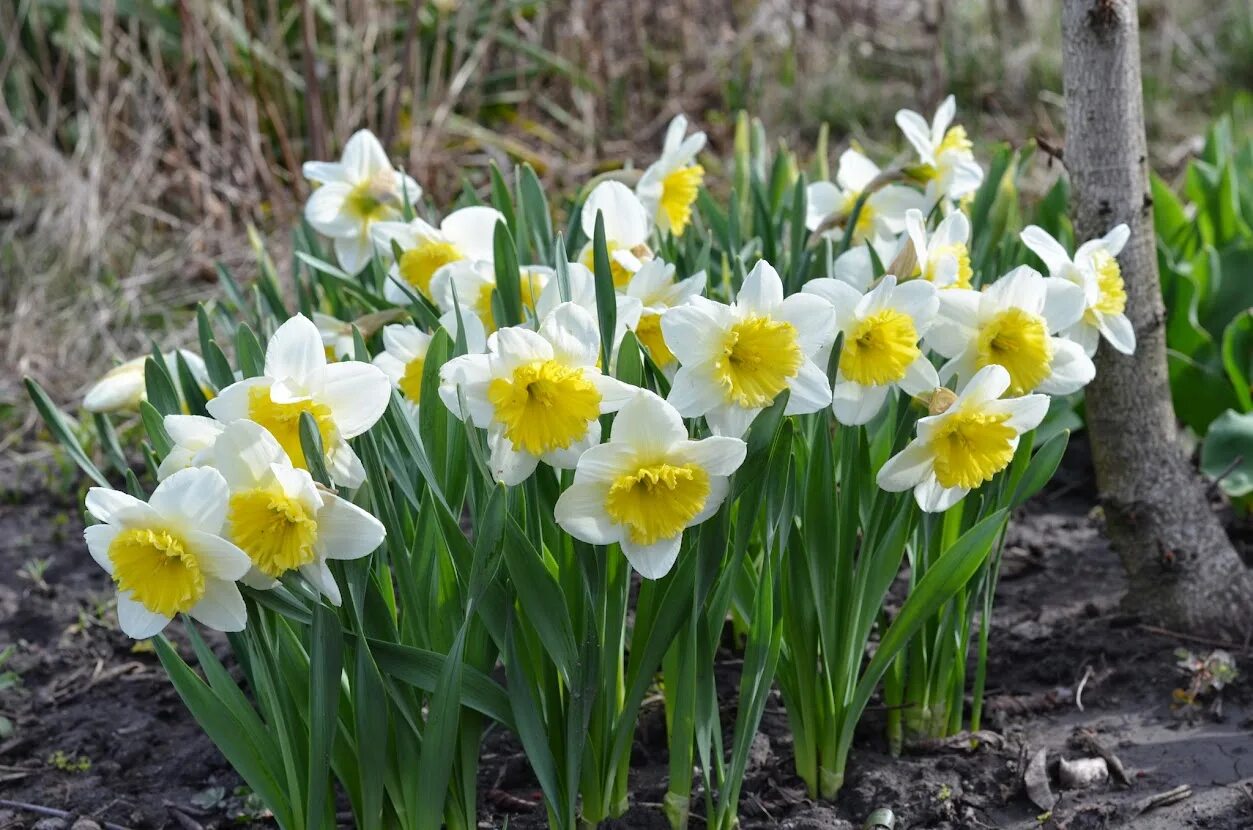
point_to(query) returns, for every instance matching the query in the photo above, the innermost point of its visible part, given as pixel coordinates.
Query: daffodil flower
(473, 286)
(669, 186)
(124, 386)
(657, 292)
(192, 438)
(281, 518)
(627, 226)
(880, 352)
(1013, 323)
(355, 193)
(337, 337)
(882, 215)
(1095, 270)
(403, 360)
(404, 355)
(345, 399)
(539, 394)
(945, 153)
(966, 444)
(647, 485)
(168, 556)
(464, 235)
(943, 259)
(582, 285)
(735, 359)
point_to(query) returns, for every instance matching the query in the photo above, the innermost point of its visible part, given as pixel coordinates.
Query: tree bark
(1182, 570)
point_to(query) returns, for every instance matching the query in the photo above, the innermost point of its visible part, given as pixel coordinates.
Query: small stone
(50, 824)
(84, 824)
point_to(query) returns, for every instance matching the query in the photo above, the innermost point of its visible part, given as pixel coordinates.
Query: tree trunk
(1182, 570)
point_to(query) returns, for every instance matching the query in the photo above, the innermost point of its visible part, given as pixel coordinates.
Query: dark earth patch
(98, 732)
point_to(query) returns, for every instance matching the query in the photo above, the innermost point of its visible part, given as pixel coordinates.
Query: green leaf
(326, 666)
(154, 424)
(1040, 471)
(541, 600)
(314, 452)
(1228, 452)
(508, 275)
(606, 294)
(190, 386)
(943, 579)
(248, 352)
(1237, 352)
(226, 731)
(422, 668)
(60, 428)
(160, 388)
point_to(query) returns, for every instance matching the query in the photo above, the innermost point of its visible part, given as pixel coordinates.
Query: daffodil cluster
(737, 400)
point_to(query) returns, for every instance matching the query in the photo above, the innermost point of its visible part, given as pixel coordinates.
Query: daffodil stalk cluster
(478, 472)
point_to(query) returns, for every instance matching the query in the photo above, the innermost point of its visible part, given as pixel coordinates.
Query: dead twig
(53, 812)
(1208, 641)
(1163, 799)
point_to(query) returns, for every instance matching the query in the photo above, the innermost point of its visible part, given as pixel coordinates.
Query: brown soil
(98, 732)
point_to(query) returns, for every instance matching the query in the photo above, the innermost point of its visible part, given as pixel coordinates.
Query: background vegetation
(141, 139)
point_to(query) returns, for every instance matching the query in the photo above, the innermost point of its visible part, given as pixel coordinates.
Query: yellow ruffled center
(158, 570)
(650, 335)
(956, 141)
(971, 447)
(958, 251)
(880, 348)
(759, 356)
(276, 531)
(678, 193)
(375, 199)
(544, 405)
(1112, 298)
(418, 265)
(657, 501)
(621, 274)
(411, 381)
(283, 421)
(865, 219)
(1019, 341)
(529, 287)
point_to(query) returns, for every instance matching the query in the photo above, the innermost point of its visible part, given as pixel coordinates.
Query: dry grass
(135, 149)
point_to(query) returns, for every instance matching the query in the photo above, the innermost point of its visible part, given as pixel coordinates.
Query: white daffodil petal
(136, 621)
(652, 561)
(1118, 331)
(218, 558)
(98, 538)
(694, 390)
(580, 511)
(1064, 304)
(854, 404)
(810, 390)
(295, 351)
(720, 455)
(908, 468)
(1048, 249)
(222, 607)
(762, 290)
(345, 531)
(196, 498)
(357, 394)
(932, 497)
(1070, 369)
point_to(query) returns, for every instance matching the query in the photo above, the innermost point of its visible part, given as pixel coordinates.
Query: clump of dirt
(99, 732)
